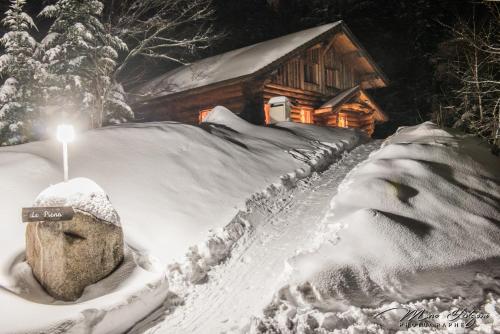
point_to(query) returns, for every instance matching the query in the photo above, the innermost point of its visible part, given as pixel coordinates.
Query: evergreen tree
(17, 95)
(81, 57)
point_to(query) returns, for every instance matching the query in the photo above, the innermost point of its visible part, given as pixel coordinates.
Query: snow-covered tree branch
(91, 47)
(81, 56)
(20, 70)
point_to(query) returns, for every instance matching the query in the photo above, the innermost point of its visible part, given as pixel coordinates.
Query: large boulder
(66, 256)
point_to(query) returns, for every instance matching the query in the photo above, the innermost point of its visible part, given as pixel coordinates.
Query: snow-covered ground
(174, 186)
(237, 228)
(414, 227)
(243, 285)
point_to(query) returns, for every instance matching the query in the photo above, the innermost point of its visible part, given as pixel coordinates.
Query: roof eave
(369, 58)
(382, 116)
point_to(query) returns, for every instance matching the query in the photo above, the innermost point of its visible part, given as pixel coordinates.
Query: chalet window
(311, 66)
(281, 75)
(288, 74)
(331, 77)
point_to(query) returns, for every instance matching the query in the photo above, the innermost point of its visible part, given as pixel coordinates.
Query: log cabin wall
(321, 71)
(351, 114)
(186, 107)
(316, 75)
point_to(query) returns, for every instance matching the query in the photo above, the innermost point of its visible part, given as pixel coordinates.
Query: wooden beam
(329, 45)
(356, 106)
(282, 89)
(369, 77)
(353, 55)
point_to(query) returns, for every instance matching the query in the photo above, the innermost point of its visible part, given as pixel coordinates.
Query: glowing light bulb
(65, 133)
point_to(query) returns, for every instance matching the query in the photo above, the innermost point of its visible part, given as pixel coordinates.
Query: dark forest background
(404, 37)
(407, 38)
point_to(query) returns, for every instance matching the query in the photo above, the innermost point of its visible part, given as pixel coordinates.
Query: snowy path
(243, 285)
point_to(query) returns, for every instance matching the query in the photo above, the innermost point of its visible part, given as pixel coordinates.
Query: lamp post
(65, 134)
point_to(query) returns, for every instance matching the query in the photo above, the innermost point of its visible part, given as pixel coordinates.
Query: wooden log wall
(354, 119)
(297, 114)
(345, 116)
(190, 109)
(340, 73)
(302, 115)
(186, 107)
(324, 68)
(290, 74)
(299, 97)
(327, 120)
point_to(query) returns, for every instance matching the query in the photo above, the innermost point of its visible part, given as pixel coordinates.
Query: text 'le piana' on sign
(37, 214)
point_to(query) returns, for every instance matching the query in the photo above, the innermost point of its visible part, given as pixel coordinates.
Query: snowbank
(418, 219)
(82, 194)
(172, 185)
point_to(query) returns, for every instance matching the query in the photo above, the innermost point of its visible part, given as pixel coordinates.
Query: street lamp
(65, 134)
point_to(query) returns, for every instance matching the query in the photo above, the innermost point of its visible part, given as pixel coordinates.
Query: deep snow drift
(244, 284)
(418, 219)
(171, 184)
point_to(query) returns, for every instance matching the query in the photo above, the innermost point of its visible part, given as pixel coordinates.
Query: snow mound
(425, 132)
(334, 137)
(222, 115)
(418, 219)
(111, 305)
(82, 194)
(287, 133)
(310, 144)
(174, 186)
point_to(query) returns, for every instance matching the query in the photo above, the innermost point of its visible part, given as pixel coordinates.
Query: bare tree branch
(159, 30)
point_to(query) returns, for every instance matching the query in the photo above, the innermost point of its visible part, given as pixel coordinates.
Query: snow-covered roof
(341, 97)
(346, 95)
(230, 65)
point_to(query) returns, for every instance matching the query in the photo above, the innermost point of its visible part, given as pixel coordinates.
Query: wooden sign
(48, 214)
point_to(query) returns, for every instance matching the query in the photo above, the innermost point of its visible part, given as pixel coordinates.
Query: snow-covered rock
(67, 256)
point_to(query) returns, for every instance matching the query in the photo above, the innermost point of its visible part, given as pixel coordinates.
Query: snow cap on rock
(81, 194)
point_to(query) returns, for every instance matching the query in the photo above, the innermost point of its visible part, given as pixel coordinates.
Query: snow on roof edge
(350, 92)
(340, 97)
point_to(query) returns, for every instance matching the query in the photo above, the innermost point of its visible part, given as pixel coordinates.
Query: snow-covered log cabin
(324, 71)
